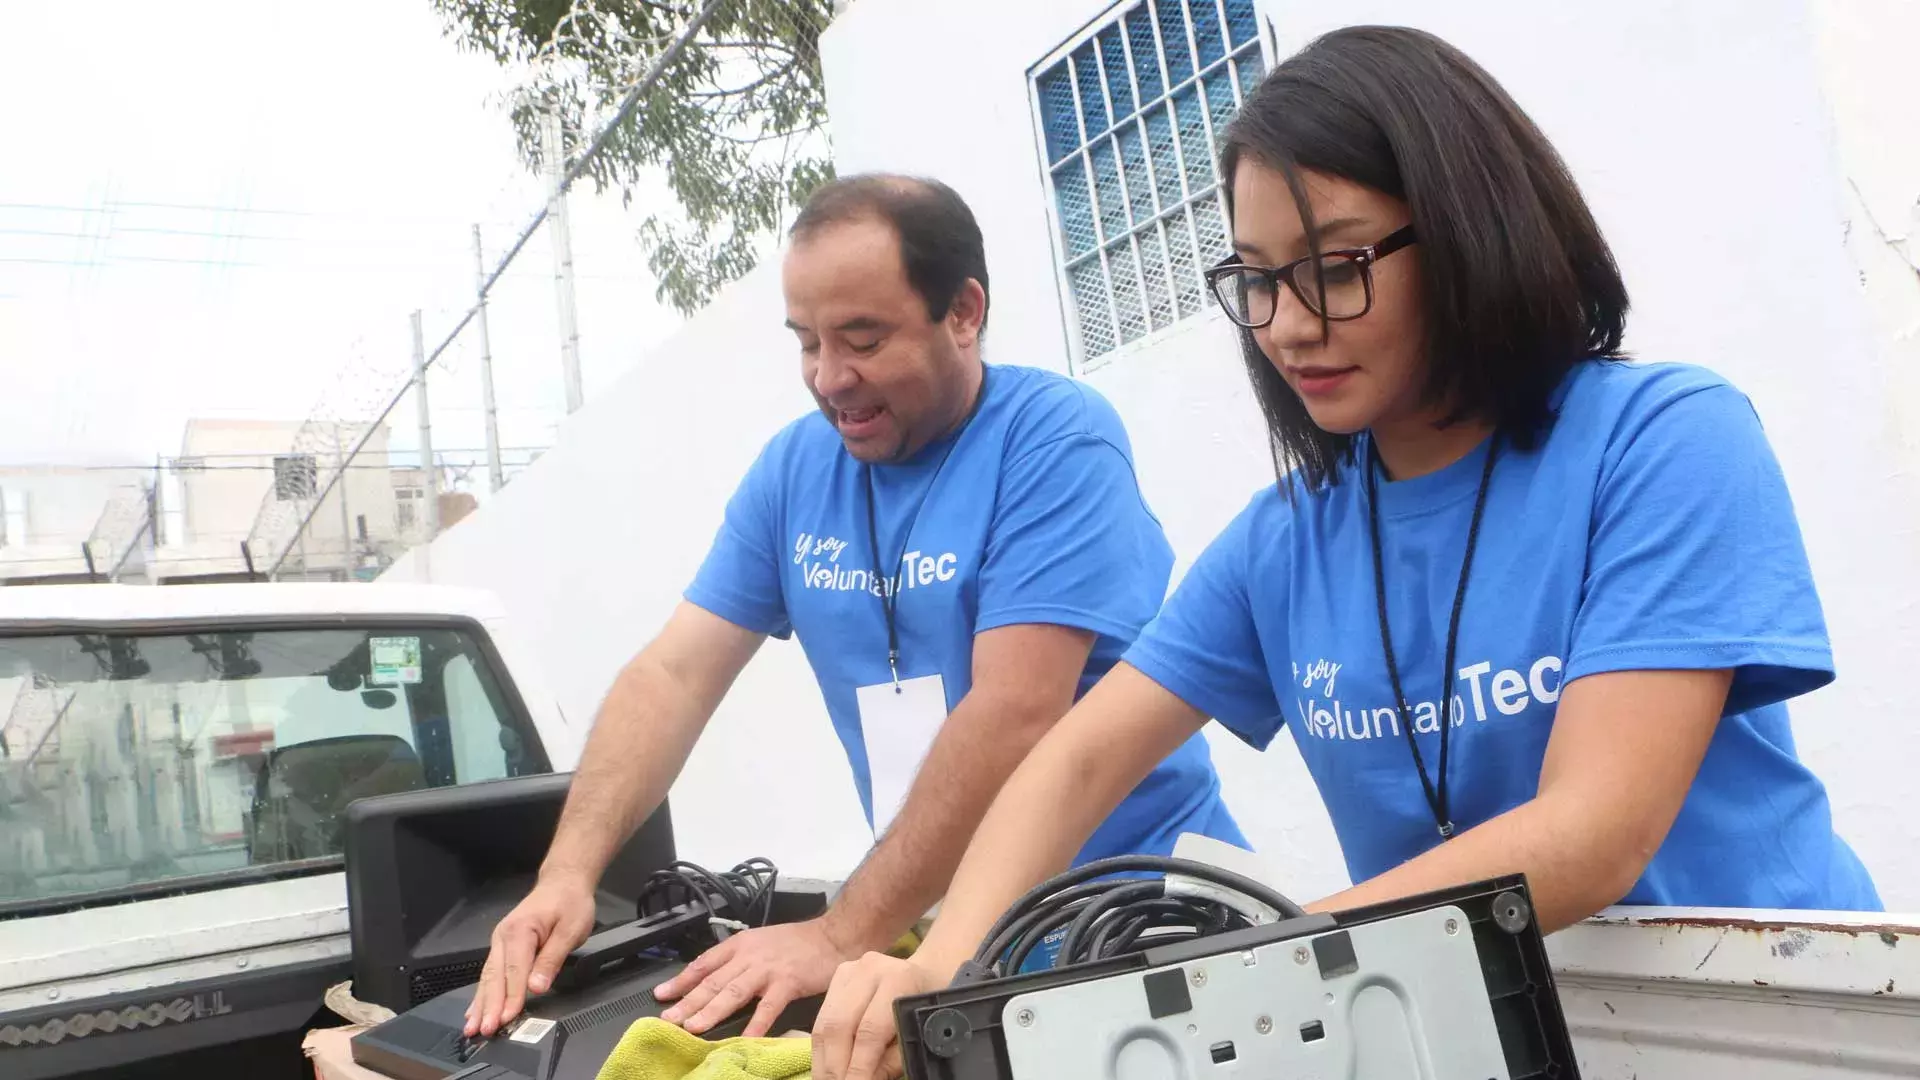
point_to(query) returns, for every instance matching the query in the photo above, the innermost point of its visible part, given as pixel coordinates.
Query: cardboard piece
(331, 1051)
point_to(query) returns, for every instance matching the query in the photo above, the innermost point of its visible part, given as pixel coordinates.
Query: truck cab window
(132, 763)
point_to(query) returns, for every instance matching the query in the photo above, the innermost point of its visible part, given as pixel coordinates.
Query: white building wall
(220, 503)
(1865, 50)
(1700, 132)
(48, 513)
(229, 480)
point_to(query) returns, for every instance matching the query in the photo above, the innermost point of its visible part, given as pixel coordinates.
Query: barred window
(1129, 111)
(295, 477)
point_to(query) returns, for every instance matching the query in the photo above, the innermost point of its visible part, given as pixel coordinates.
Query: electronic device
(567, 1033)
(1452, 984)
(430, 872)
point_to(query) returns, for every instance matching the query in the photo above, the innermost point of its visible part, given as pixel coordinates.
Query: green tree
(737, 122)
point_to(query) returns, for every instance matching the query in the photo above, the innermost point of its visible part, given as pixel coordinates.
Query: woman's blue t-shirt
(1650, 528)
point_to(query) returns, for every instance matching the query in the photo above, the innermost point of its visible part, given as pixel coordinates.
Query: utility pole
(555, 152)
(344, 484)
(432, 478)
(495, 476)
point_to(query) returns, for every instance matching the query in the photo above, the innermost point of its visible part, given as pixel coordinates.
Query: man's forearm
(645, 730)
(978, 747)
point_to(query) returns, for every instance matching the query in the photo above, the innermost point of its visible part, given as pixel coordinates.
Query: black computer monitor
(430, 872)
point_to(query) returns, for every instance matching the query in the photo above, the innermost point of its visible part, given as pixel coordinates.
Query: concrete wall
(224, 484)
(1859, 727)
(1704, 135)
(50, 512)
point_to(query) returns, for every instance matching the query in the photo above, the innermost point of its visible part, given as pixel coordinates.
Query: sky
(229, 208)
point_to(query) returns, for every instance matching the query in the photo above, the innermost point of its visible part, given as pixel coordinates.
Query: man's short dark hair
(940, 242)
(1519, 283)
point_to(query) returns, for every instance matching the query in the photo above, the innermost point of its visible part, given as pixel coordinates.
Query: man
(962, 551)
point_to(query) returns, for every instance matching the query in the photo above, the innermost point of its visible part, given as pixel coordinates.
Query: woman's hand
(854, 1036)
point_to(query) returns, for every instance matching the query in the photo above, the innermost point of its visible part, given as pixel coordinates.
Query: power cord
(1106, 907)
(736, 899)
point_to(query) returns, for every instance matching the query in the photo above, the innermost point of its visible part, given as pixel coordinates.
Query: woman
(1524, 606)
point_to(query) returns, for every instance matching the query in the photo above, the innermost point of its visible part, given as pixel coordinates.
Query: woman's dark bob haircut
(1519, 284)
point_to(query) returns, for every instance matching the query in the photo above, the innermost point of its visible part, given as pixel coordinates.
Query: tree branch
(778, 45)
(763, 138)
(777, 73)
(703, 135)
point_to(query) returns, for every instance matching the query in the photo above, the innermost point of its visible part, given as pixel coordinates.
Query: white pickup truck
(174, 762)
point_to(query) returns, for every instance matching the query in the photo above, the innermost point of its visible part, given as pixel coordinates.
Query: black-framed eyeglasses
(1342, 290)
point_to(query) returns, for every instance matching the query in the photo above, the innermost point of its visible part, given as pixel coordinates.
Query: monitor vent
(429, 983)
(617, 1009)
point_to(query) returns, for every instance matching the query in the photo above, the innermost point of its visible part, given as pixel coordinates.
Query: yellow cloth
(653, 1049)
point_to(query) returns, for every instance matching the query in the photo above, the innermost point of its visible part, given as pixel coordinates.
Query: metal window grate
(1128, 127)
(295, 476)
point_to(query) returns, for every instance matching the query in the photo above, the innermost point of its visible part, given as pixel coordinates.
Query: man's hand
(777, 964)
(854, 1036)
(528, 948)
(646, 727)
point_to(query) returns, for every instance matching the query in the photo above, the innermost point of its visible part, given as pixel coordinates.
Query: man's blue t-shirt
(1029, 514)
(1650, 529)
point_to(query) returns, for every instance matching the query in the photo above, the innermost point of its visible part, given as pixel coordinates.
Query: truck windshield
(140, 763)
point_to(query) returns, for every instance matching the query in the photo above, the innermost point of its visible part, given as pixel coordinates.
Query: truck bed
(1703, 994)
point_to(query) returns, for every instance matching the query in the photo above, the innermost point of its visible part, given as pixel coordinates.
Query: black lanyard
(1436, 795)
(890, 589)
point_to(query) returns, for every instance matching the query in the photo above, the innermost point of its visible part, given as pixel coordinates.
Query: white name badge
(899, 724)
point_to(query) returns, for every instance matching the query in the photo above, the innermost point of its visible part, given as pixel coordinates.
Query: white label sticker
(395, 661)
(531, 1030)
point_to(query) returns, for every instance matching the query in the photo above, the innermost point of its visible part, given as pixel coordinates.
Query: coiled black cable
(1118, 897)
(1041, 912)
(1105, 915)
(742, 895)
(1117, 935)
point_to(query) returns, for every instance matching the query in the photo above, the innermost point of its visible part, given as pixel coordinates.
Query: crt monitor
(430, 872)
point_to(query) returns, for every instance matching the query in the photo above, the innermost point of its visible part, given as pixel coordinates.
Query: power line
(288, 268)
(143, 229)
(110, 204)
(114, 205)
(170, 462)
(73, 262)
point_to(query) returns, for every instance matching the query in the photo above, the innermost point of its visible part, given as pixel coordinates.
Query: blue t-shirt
(1029, 514)
(1651, 528)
